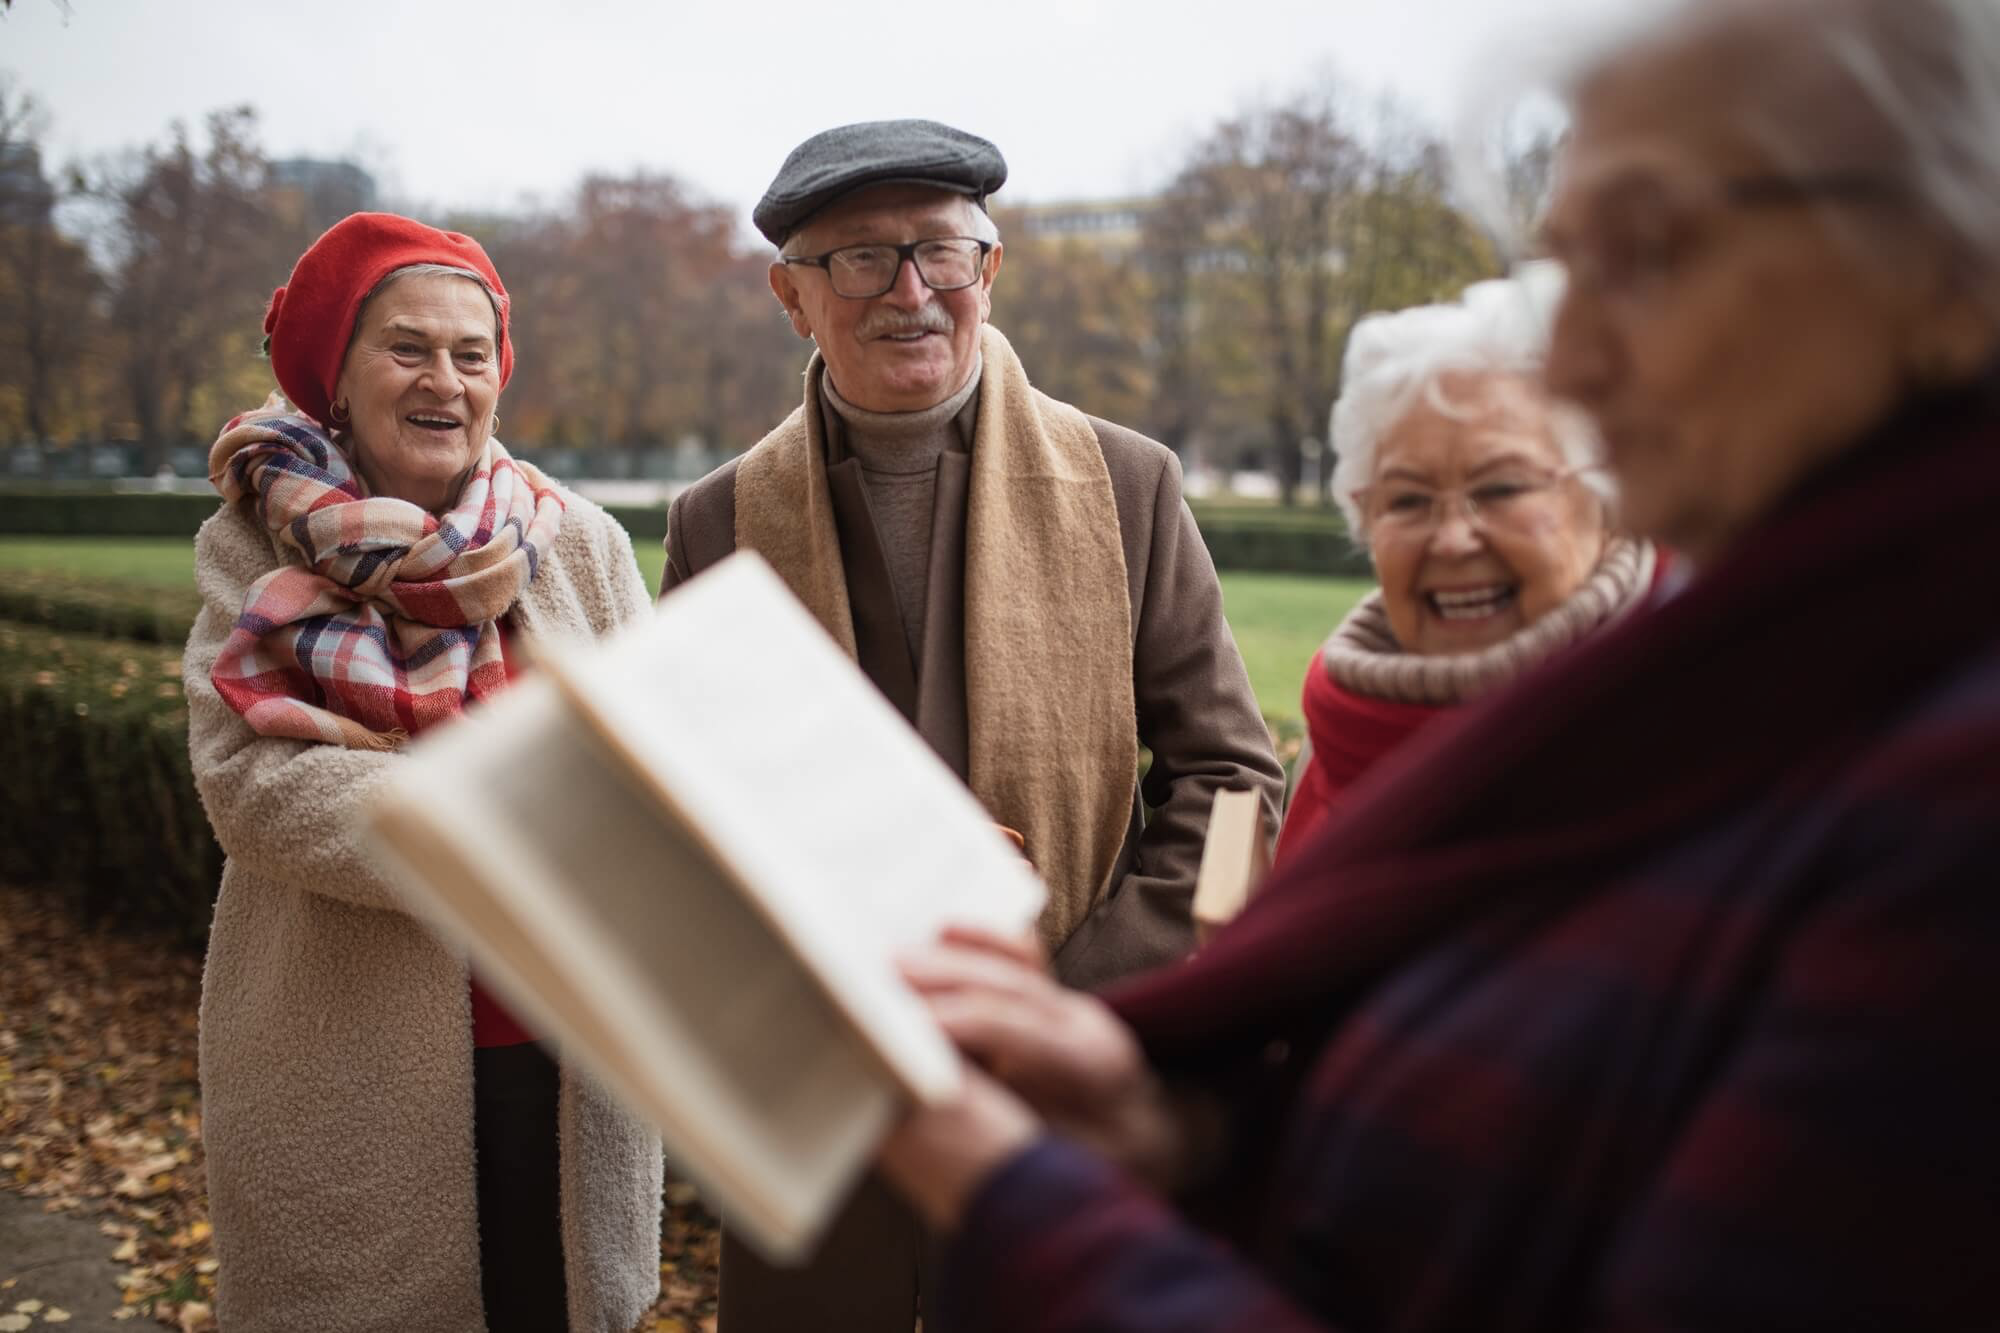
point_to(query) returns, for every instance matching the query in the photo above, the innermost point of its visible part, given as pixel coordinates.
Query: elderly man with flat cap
(1022, 580)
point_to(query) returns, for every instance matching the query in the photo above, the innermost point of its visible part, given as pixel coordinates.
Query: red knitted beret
(311, 318)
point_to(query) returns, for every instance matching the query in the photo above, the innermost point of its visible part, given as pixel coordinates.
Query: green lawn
(1279, 619)
(156, 561)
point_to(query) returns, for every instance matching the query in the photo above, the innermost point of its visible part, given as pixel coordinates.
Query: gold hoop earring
(494, 429)
(336, 413)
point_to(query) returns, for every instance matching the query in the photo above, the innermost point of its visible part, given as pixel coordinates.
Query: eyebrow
(1512, 458)
(1509, 459)
(1406, 474)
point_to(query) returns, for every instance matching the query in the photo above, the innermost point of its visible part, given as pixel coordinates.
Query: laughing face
(1475, 527)
(420, 383)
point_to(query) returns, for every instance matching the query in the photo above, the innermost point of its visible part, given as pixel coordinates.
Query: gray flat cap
(875, 152)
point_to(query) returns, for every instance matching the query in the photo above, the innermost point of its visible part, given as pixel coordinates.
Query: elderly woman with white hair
(1485, 509)
(1663, 994)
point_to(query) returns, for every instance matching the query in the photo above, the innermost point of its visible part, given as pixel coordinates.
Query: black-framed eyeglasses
(860, 272)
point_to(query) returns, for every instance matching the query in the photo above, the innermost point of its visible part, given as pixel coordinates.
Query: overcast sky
(480, 103)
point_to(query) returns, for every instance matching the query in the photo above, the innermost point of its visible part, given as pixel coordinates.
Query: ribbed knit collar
(1364, 657)
(902, 441)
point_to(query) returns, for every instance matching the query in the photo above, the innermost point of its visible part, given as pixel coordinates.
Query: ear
(986, 282)
(787, 291)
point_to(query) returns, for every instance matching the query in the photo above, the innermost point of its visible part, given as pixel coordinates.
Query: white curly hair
(1501, 327)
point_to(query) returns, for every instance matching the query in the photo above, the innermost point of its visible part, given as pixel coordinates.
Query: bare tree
(1268, 192)
(1078, 313)
(1286, 225)
(194, 256)
(47, 288)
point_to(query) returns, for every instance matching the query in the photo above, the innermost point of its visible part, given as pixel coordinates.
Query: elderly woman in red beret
(387, 1148)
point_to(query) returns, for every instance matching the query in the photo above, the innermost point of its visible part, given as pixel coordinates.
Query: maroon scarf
(1616, 749)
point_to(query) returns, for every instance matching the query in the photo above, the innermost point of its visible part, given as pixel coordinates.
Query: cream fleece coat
(336, 1031)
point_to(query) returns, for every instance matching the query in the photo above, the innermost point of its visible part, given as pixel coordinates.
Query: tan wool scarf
(1048, 617)
(1362, 654)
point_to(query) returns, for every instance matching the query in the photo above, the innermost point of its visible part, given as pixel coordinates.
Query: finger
(1025, 948)
(947, 967)
(1012, 1039)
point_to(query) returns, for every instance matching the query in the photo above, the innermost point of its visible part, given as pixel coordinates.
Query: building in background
(1113, 225)
(26, 196)
(317, 194)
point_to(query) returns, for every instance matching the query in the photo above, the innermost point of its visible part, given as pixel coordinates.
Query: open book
(690, 853)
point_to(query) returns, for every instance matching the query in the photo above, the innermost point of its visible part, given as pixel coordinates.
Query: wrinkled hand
(939, 1155)
(1062, 1052)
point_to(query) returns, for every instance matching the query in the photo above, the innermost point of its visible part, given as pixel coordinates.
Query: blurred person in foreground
(1483, 506)
(388, 1149)
(1659, 991)
(1023, 582)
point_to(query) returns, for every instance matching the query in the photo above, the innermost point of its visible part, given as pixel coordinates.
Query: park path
(56, 1271)
(100, 1116)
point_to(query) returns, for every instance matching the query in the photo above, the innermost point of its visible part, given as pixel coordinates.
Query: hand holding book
(1043, 1055)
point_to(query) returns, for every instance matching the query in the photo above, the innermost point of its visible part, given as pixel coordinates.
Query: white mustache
(929, 318)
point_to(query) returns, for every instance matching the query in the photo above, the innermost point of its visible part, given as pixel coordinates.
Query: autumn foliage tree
(1283, 228)
(48, 290)
(1080, 317)
(649, 339)
(642, 323)
(194, 256)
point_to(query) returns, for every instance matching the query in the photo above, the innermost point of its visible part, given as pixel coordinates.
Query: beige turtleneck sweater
(898, 453)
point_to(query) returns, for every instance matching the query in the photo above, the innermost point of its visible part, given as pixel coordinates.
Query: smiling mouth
(433, 421)
(1471, 603)
(914, 335)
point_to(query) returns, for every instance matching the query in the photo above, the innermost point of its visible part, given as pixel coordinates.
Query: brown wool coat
(336, 1031)
(1195, 709)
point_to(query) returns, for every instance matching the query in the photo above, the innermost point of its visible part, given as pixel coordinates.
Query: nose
(1455, 534)
(1583, 358)
(441, 377)
(909, 291)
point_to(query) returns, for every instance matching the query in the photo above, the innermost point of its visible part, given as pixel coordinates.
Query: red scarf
(1349, 733)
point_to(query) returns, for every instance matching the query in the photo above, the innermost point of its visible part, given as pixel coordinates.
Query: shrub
(1248, 537)
(43, 511)
(98, 796)
(1262, 547)
(641, 523)
(99, 606)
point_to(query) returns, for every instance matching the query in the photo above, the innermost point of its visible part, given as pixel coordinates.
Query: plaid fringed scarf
(388, 627)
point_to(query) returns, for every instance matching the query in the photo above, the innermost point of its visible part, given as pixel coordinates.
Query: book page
(856, 840)
(692, 853)
(607, 927)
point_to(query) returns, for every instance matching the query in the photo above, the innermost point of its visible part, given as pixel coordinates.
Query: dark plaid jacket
(1663, 993)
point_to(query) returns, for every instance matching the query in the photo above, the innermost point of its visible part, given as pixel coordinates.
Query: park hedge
(97, 797)
(101, 607)
(53, 511)
(1264, 538)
